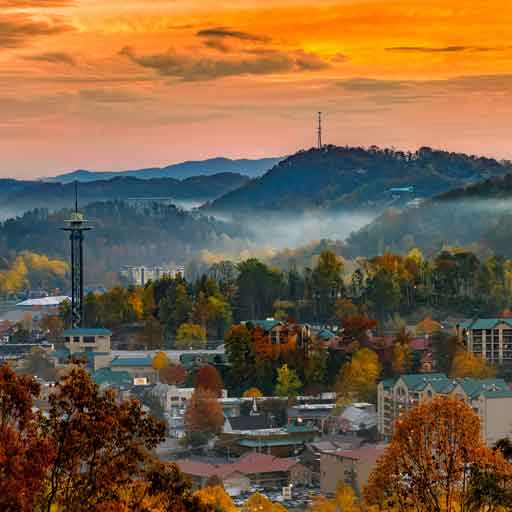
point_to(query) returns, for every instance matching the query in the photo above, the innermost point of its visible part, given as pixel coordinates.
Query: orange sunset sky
(119, 84)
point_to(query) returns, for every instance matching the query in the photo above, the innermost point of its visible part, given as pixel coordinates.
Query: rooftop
(44, 302)
(131, 361)
(87, 332)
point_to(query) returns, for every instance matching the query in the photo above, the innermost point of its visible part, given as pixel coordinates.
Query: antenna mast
(320, 145)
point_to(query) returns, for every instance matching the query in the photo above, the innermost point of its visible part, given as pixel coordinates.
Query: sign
(140, 381)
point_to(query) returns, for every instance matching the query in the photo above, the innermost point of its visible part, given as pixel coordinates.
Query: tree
(344, 501)
(288, 383)
(208, 377)
(190, 336)
(466, 364)
(38, 364)
(174, 374)
(426, 465)
(238, 351)
(217, 498)
(252, 393)
(203, 417)
(402, 353)
(260, 503)
(327, 284)
(160, 361)
(356, 328)
(25, 453)
(52, 326)
(358, 377)
(101, 446)
(152, 337)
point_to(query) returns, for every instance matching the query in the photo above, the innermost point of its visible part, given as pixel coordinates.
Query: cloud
(53, 58)
(219, 45)
(17, 29)
(372, 85)
(222, 32)
(111, 95)
(444, 49)
(21, 4)
(195, 67)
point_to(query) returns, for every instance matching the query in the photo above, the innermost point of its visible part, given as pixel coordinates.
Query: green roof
(418, 381)
(442, 384)
(131, 361)
(292, 428)
(107, 376)
(87, 332)
(266, 325)
(485, 323)
(498, 394)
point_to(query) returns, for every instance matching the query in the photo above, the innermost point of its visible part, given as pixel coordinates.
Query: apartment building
(488, 338)
(490, 399)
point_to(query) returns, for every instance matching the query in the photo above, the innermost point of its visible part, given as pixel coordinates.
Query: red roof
(248, 464)
(368, 453)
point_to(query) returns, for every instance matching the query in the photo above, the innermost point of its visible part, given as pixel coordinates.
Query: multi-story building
(140, 275)
(488, 338)
(490, 399)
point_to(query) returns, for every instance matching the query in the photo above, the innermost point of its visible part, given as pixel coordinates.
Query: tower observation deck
(76, 226)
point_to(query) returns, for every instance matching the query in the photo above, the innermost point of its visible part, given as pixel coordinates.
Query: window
(76, 339)
(89, 339)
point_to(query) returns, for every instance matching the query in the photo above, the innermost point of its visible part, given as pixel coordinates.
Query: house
(252, 469)
(490, 399)
(139, 367)
(318, 415)
(358, 417)
(283, 333)
(488, 338)
(352, 467)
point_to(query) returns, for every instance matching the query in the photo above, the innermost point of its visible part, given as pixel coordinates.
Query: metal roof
(131, 361)
(87, 332)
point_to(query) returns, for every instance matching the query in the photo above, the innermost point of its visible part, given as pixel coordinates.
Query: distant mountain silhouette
(251, 168)
(19, 196)
(355, 178)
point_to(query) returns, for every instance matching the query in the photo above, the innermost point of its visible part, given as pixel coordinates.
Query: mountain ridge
(248, 167)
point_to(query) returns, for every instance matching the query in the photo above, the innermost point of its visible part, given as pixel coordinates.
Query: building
(283, 333)
(140, 275)
(353, 467)
(252, 469)
(490, 399)
(488, 338)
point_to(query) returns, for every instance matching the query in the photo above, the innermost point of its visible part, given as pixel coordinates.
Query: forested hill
(347, 178)
(250, 168)
(121, 235)
(20, 196)
(479, 216)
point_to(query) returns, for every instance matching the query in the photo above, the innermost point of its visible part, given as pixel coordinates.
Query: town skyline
(114, 86)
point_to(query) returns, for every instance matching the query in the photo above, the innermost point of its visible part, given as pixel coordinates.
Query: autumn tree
(25, 453)
(216, 498)
(425, 467)
(160, 361)
(358, 378)
(208, 377)
(190, 336)
(203, 417)
(466, 364)
(260, 503)
(252, 393)
(344, 501)
(52, 326)
(288, 383)
(174, 374)
(356, 328)
(402, 353)
(101, 445)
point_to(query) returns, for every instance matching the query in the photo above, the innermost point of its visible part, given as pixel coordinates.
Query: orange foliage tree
(174, 374)
(92, 452)
(216, 498)
(208, 377)
(203, 417)
(426, 467)
(466, 364)
(25, 455)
